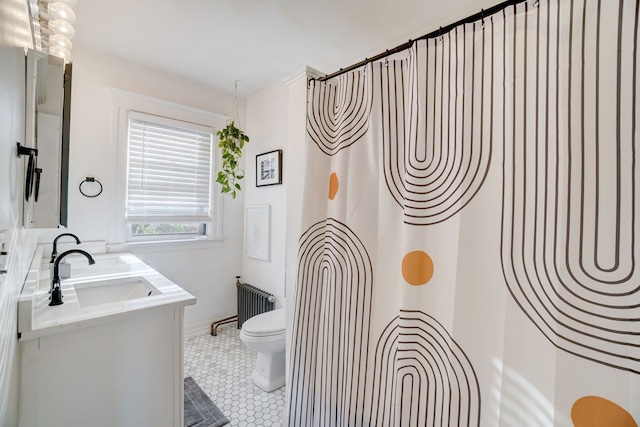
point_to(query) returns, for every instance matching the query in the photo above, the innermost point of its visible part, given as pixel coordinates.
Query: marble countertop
(36, 318)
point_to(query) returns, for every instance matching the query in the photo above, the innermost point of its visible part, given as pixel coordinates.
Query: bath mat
(199, 410)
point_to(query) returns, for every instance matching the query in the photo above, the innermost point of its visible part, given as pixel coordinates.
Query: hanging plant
(231, 143)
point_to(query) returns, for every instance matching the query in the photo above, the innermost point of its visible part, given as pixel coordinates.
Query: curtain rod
(484, 13)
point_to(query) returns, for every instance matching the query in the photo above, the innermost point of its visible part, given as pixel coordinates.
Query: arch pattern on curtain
(570, 198)
(339, 114)
(436, 124)
(334, 354)
(470, 229)
(418, 364)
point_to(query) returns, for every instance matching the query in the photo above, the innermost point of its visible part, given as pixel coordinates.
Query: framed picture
(269, 168)
(256, 232)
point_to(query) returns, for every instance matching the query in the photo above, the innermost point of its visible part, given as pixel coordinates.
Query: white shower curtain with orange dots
(471, 229)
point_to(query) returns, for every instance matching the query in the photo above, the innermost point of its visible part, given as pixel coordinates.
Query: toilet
(265, 334)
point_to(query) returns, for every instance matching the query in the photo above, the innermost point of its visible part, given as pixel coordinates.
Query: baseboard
(200, 328)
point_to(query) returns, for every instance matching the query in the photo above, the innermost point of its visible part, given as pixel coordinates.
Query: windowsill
(150, 246)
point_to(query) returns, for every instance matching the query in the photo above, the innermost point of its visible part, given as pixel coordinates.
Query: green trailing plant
(231, 142)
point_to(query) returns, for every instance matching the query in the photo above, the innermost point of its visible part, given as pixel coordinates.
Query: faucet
(54, 253)
(56, 292)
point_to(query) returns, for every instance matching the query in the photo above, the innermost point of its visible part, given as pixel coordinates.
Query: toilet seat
(266, 324)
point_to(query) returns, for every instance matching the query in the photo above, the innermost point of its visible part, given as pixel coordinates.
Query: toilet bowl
(265, 334)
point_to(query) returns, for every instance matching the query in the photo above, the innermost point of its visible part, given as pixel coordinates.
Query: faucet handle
(56, 296)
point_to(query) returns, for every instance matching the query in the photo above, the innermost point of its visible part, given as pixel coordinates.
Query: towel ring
(90, 179)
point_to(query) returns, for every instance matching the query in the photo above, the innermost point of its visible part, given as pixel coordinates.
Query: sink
(78, 264)
(82, 261)
(113, 290)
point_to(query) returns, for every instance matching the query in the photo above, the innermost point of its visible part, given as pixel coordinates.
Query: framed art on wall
(256, 232)
(269, 168)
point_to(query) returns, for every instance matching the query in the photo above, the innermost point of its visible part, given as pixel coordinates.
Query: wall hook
(25, 151)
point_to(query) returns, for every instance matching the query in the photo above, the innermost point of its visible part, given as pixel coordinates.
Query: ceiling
(257, 42)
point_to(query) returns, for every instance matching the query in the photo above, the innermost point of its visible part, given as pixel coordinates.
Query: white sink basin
(113, 290)
(79, 264)
(82, 261)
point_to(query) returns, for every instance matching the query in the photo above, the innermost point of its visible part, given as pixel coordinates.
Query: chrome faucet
(54, 252)
(56, 292)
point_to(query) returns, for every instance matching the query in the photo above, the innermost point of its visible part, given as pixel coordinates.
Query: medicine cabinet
(48, 94)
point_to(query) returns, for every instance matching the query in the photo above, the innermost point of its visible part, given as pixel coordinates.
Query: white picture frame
(257, 231)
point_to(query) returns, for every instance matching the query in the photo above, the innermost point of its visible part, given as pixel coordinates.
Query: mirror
(47, 131)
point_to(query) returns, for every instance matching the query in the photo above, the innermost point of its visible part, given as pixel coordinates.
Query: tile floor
(221, 366)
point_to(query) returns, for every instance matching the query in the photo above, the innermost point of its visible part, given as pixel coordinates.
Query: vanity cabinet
(123, 373)
(102, 365)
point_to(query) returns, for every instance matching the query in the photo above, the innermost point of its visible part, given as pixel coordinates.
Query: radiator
(252, 301)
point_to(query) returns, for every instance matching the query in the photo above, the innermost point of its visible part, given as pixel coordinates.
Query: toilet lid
(269, 323)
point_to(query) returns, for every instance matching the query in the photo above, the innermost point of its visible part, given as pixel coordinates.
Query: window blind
(168, 170)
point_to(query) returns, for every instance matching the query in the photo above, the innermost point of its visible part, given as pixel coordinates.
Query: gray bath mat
(199, 410)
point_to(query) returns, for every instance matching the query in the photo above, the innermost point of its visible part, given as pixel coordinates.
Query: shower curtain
(469, 229)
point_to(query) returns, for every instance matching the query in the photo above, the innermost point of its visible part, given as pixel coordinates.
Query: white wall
(297, 147)
(207, 273)
(267, 127)
(277, 120)
(18, 243)
(15, 29)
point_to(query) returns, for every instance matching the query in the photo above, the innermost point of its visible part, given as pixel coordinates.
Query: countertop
(37, 319)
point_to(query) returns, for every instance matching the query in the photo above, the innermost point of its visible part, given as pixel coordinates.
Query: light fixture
(60, 52)
(58, 26)
(62, 11)
(53, 26)
(70, 3)
(60, 40)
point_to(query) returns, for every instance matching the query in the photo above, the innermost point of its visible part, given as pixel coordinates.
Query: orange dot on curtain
(594, 411)
(417, 268)
(333, 186)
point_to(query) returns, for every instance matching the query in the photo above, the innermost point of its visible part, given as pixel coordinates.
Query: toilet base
(269, 373)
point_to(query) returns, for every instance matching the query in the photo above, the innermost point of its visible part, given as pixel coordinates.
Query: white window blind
(168, 170)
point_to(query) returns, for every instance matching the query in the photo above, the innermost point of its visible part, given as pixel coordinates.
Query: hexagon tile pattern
(222, 366)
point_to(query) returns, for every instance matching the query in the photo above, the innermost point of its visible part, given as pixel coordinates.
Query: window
(169, 176)
(165, 159)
